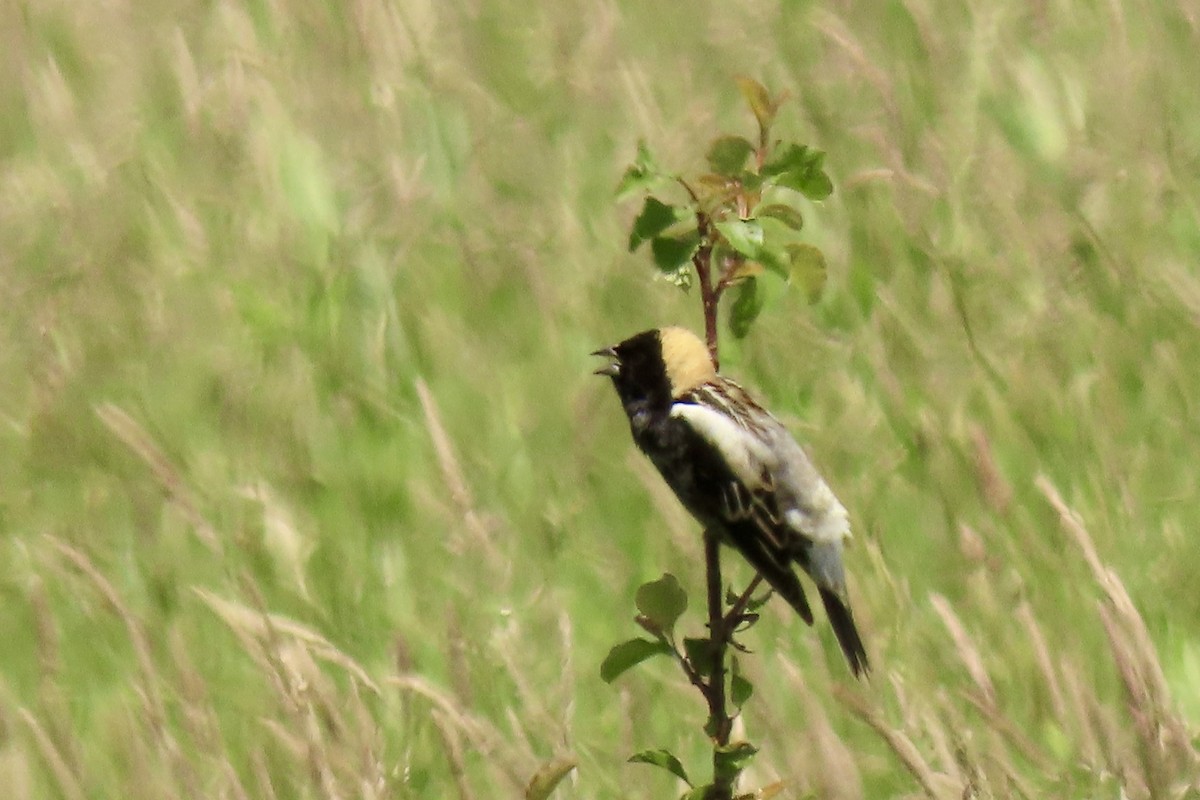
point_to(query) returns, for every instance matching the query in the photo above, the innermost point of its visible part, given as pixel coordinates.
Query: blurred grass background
(305, 487)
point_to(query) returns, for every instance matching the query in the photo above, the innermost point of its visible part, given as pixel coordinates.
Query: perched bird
(737, 470)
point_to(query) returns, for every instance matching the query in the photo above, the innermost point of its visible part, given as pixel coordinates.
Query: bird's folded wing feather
(746, 454)
(750, 513)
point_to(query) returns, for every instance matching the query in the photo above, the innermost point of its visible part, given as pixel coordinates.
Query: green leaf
(731, 759)
(774, 257)
(793, 158)
(799, 167)
(727, 155)
(786, 214)
(808, 269)
(664, 759)
(655, 217)
(673, 252)
(546, 779)
(699, 653)
(629, 654)
(740, 688)
(644, 173)
(750, 181)
(745, 308)
(773, 254)
(662, 601)
(814, 185)
(744, 235)
(759, 100)
(758, 602)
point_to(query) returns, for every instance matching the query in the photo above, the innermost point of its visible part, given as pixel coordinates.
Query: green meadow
(307, 490)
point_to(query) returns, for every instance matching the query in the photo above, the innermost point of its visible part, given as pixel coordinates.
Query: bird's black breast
(688, 463)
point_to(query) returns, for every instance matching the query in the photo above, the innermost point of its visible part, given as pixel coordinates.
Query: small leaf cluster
(741, 218)
(660, 604)
(731, 759)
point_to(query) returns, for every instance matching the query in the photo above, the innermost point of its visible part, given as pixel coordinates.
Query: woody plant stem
(721, 624)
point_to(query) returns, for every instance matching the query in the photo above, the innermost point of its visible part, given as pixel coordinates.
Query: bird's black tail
(847, 634)
(773, 566)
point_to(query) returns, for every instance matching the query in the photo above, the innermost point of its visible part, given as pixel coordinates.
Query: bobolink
(737, 470)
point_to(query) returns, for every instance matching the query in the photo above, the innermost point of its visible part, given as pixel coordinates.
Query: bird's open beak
(611, 370)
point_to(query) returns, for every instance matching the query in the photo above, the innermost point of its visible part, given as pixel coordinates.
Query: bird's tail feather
(789, 587)
(847, 634)
(774, 567)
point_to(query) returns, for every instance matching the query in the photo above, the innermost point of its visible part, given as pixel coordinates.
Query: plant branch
(739, 605)
(709, 297)
(690, 671)
(719, 723)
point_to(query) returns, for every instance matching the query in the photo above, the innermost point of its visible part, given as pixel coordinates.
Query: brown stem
(720, 626)
(718, 719)
(709, 297)
(739, 605)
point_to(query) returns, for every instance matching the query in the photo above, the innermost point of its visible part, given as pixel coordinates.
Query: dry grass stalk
(48, 648)
(936, 785)
(521, 748)
(319, 759)
(968, 653)
(199, 718)
(542, 708)
(1006, 728)
(456, 482)
(262, 776)
(1087, 733)
(1118, 596)
(1041, 654)
(236, 789)
(53, 706)
(1162, 733)
(156, 715)
(829, 761)
(137, 637)
(943, 749)
(260, 625)
(167, 747)
(333, 736)
(1139, 704)
(452, 745)
(566, 685)
(482, 736)
(996, 490)
(136, 438)
(293, 744)
(64, 778)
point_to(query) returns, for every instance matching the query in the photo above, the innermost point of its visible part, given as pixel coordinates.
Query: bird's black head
(637, 370)
(654, 367)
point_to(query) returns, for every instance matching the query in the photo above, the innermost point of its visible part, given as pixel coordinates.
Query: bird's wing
(777, 507)
(746, 454)
(748, 504)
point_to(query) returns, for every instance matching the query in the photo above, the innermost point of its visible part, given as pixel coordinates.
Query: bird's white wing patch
(745, 453)
(826, 521)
